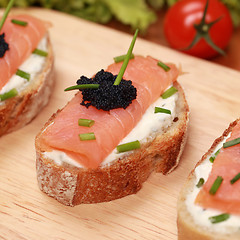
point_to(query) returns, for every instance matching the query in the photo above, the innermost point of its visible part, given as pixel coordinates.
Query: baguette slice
(72, 186)
(18, 111)
(188, 229)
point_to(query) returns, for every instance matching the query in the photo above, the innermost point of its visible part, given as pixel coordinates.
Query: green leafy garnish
(40, 52)
(85, 122)
(87, 136)
(12, 93)
(231, 143)
(200, 182)
(9, 6)
(23, 74)
(219, 218)
(128, 146)
(122, 57)
(162, 110)
(19, 22)
(126, 60)
(82, 86)
(169, 92)
(212, 158)
(236, 178)
(216, 185)
(163, 66)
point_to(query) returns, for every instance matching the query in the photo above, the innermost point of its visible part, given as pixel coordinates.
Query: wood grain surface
(83, 48)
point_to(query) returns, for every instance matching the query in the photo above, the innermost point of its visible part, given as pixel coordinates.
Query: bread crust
(21, 109)
(72, 186)
(187, 228)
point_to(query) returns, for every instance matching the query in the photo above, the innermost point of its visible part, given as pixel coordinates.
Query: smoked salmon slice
(227, 166)
(110, 126)
(22, 40)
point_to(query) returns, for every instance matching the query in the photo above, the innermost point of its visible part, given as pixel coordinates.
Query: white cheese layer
(150, 124)
(200, 215)
(33, 65)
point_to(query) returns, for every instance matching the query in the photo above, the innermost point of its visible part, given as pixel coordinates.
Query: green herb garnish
(9, 6)
(169, 92)
(122, 57)
(216, 185)
(85, 122)
(128, 146)
(19, 22)
(231, 143)
(126, 60)
(23, 74)
(87, 136)
(162, 110)
(163, 66)
(219, 218)
(82, 86)
(236, 178)
(212, 158)
(200, 182)
(12, 93)
(40, 52)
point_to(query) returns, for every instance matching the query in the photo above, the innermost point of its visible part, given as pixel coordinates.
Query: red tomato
(179, 26)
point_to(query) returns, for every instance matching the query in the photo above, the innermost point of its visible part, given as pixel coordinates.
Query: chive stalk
(40, 52)
(200, 182)
(87, 136)
(9, 6)
(128, 146)
(236, 178)
(122, 57)
(162, 110)
(85, 122)
(83, 86)
(126, 60)
(231, 143)
(12, 93)
(169, 92)
(216, 185)
(163, 66)
(219, 218)
(23, 74)
(19, 22)
(212, 158)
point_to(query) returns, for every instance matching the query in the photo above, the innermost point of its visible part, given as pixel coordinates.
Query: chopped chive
(85, 122)
(219, 218)
(236, 178)
(40, 52)
(216, 185)
(168, 93)
(212, 158)
(82, 86)
(126, 60)
(122, 57)
(23, 74)
(162, 110)
(231, 143)
(128, 146)
(200, 182)
(9, 6)
(163, 66)
(19, 22)
(87, 136)
(12, 93)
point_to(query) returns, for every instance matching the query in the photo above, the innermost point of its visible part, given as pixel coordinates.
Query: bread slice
(71, 185)
(18, 111)
(188, 228)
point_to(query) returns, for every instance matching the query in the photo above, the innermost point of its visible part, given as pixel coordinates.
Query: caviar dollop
(3, 45)
(107, 96)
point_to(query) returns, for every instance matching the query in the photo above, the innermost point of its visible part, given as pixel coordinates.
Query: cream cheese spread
(33, 65)
(200, 215)
(150, 124)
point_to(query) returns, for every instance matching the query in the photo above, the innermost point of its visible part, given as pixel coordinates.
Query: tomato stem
(203, 29)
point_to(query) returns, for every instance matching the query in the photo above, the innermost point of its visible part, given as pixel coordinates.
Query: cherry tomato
(179, 27)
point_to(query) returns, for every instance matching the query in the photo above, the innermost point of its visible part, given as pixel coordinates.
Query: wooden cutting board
(83, 48)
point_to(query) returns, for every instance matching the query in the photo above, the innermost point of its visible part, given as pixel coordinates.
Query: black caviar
(3, 45)
(107, 96)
